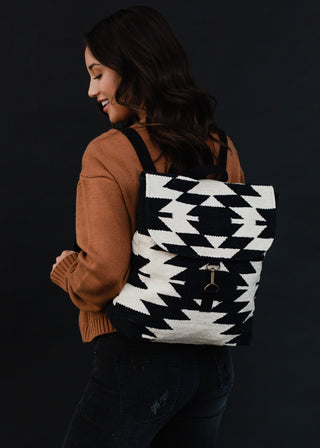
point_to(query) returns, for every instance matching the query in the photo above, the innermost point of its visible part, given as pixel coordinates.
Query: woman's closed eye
(97, 77)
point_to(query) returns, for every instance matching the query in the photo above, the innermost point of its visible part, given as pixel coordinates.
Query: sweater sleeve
(100, 270)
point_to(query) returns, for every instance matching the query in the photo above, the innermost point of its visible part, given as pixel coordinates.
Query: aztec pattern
(197, 257)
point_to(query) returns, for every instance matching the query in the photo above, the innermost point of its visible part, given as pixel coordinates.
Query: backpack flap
(207, 218)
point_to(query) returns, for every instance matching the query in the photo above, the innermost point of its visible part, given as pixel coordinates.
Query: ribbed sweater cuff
(93, 324)
(60, 272)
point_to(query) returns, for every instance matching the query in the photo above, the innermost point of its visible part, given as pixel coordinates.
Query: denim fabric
(145, 394)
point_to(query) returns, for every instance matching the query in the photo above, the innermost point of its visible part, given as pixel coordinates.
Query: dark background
(261, 61)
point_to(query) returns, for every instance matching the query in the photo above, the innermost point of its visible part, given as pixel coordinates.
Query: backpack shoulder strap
(140, 148)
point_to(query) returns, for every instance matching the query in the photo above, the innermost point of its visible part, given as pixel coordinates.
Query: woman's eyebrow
(92, 65)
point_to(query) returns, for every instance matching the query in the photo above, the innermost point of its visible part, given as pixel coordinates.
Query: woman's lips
(105, 107)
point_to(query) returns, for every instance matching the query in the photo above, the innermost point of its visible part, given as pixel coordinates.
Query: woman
(139, 394)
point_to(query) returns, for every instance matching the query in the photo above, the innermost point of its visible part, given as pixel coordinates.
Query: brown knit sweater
(106, 201)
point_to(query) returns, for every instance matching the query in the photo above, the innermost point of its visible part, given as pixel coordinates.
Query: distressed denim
(145, 394)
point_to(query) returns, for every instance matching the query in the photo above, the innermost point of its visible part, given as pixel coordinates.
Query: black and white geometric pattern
(184, 226)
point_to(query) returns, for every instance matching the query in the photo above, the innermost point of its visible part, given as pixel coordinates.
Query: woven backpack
(196, 257)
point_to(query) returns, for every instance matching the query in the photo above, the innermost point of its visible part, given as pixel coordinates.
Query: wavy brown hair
(138, 43)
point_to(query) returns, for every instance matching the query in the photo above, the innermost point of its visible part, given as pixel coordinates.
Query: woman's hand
(64, 254)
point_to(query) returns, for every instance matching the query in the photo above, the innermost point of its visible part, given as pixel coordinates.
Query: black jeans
(150, 394)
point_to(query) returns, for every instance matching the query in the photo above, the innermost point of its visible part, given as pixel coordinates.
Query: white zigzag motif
(249, 293)
(266, 200)
(199, 329)
(179, 222)
(223, 252)
(155, 188)
(162, 237)
(250, 228)
(158, 278)
(213, 188)
(249, 217)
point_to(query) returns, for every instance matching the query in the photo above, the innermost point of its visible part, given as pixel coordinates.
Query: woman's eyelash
(97, 77)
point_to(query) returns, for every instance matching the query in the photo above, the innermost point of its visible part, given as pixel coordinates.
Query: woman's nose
(92, 91)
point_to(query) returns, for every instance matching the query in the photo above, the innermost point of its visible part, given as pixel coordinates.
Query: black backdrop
(261, 61)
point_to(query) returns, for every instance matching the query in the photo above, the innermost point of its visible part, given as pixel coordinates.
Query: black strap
(140, 148)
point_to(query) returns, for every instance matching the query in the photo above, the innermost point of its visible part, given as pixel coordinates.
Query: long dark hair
(138, 43)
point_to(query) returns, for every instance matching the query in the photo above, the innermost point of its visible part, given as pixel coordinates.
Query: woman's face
(103, 85)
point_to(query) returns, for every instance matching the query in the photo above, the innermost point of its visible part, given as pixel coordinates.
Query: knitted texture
(196, 263)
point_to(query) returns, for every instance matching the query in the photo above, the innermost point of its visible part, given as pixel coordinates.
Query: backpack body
(196, 259)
